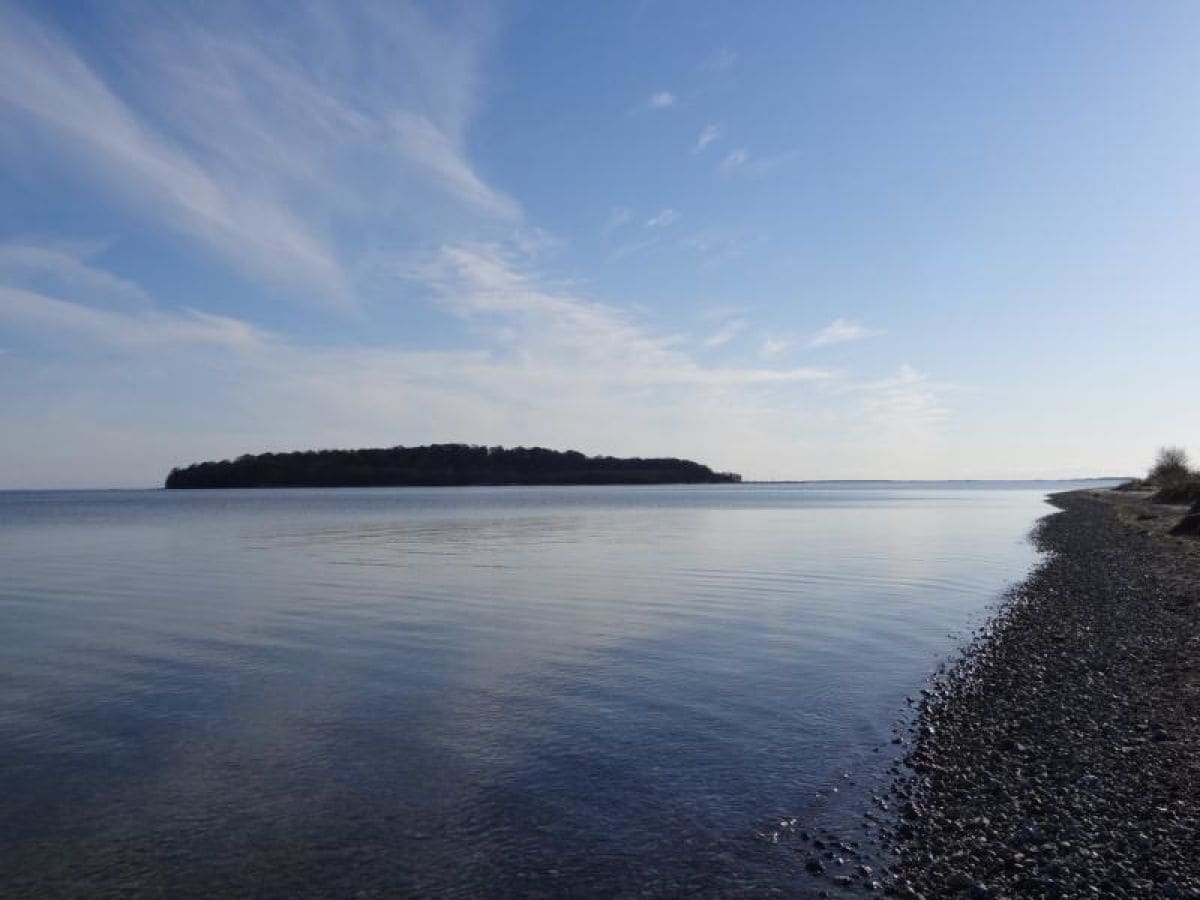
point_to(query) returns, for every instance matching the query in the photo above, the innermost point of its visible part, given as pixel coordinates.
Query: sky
(791, 240)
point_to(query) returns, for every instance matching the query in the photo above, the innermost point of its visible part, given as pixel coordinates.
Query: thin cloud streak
(774, 346)
(66, 264)
(421, 142)
(725, 333)
(908, 402)
(234, 142)
(45, 79)
(708, 134)
(153, 328)
(56, 289)
(480, 283)
(840, 331)
(740, 162)
(663, 219)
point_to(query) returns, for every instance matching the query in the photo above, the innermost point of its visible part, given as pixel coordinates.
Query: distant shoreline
(743, 482)
(1089, 479)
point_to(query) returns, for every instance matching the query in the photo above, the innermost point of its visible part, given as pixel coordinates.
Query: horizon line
(159, 487)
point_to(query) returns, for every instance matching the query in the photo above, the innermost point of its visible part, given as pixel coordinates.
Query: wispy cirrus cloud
(65, 265)
(708, 134)
(57, 289)
(46, 80)
(149, 328)
(908, 402)
(421, 142)
(740, 161)
(663, 218)
(260, 139)
(773, 346)
(660, 100)
(840, 331)
(725, 333)
(483, 283)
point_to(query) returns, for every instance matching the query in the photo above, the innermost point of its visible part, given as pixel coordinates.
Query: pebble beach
(1061, 756)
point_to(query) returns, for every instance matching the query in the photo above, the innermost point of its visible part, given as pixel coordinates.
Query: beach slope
(1061, 757)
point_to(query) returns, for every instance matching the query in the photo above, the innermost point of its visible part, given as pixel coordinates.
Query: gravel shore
(1061, 757)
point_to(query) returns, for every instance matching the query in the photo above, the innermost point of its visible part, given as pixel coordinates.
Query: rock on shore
(1189, 525)
(1061, 758)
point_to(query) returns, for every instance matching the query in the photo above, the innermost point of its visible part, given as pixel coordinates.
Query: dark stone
(1189, 525)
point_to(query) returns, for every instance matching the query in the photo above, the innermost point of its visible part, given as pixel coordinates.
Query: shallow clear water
(464, 692)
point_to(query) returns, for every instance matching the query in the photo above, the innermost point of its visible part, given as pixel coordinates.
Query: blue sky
(791, 240)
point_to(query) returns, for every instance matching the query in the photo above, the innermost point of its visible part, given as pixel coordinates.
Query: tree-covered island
(439, 465)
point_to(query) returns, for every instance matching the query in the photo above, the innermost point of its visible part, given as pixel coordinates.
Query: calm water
(464, 692)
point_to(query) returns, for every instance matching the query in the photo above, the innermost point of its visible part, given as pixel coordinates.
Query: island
(439, 465)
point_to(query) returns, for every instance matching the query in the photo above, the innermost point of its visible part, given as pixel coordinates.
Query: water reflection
(462, 692)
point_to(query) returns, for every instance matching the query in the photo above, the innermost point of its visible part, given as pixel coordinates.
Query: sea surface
(469, 692)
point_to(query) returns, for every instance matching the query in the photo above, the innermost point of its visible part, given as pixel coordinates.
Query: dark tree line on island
(439, 465)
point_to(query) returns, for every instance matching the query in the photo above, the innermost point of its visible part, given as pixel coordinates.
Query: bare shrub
(1170, 465)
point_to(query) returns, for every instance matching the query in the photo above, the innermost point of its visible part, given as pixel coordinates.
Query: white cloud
(42, 77)
(841, 330)
(725, 333)
(907, 402)
(262, 140)
(773, 346)
(30, 309)
(708, 134)
(660, 100)
(65, 265)
(423, 143)
(481, 283)
(664, 218)
(56, 289)
(741, 162)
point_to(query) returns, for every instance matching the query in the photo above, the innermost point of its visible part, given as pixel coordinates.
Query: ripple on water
(526, 692)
